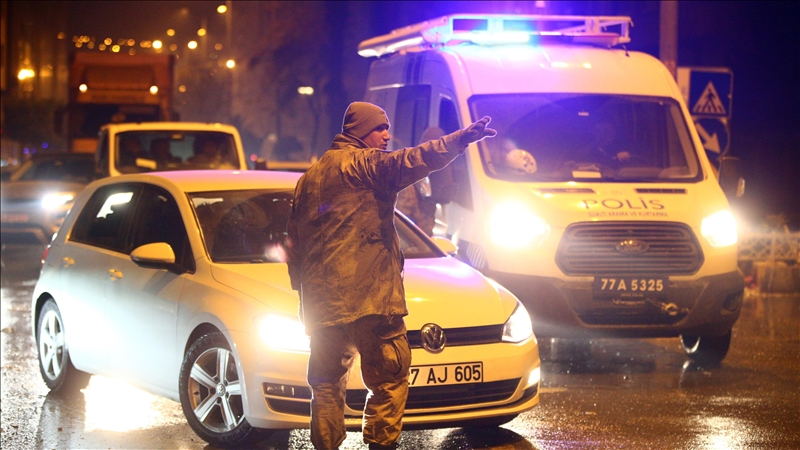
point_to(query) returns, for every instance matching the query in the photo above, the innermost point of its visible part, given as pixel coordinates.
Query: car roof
(182, 126)
(212, 180)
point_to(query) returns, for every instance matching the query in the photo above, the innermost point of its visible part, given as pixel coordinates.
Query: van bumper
(707, 306)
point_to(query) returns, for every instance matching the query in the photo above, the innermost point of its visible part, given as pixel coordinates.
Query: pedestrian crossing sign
(708, 91)
(709, 102)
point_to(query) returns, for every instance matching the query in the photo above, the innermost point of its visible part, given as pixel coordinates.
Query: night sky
(758, 41)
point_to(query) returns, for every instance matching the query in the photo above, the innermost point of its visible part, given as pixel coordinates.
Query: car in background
(38, 194)
(162, 146)
(176, 282)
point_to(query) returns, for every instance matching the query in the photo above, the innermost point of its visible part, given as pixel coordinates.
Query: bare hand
(477, 131)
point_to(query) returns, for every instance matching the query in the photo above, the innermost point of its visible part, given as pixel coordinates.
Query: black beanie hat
(362, 117)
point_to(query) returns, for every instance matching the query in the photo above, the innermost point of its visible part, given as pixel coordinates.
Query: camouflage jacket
(342, 249)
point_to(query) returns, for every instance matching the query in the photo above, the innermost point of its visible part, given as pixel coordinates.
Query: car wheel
(54, 364)
(706, 349)
(211, 393)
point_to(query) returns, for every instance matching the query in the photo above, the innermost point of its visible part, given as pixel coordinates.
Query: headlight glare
(518, 327)
(52, 201)
(720, 229)
(284, 333)
(514, 225)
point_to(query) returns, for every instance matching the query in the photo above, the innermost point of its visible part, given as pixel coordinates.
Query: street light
(222, 9)
(24, 74)
(230, 64)
(192, 45)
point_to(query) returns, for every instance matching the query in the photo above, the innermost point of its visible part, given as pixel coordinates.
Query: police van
(595, 204)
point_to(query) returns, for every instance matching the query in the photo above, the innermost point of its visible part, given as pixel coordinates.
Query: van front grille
(597, 248)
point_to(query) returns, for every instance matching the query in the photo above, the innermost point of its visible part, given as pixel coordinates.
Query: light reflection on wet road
(604, 394)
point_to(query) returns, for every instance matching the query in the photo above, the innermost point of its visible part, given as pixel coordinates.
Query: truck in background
(113, 88)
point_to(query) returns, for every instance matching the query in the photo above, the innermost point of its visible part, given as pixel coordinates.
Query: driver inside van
(209, 152)
(604, 148)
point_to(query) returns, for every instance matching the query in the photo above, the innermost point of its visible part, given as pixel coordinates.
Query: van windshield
(578, 137)
(146, 151)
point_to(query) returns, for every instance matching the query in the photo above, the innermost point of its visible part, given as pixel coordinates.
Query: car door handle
(67, 261)
(115, 274)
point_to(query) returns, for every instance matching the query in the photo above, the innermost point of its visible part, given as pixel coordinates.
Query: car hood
(444, 291)
(35, 190)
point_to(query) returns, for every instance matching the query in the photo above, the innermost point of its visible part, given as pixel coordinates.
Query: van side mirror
(730, 177)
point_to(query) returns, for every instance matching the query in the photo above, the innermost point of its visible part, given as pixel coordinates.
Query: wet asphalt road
(633, 394)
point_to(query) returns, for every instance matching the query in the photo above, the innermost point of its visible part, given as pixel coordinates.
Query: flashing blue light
(501, 37)
(45, 145)
(26, 151)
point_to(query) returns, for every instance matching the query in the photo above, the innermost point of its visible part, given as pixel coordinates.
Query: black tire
(706, 349)
(54, 363)
(212, 401)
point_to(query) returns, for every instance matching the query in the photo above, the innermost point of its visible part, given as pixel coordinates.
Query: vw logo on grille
(433, 338)
(633, 246)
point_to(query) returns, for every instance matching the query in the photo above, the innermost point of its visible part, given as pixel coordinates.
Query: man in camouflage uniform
(344, 257)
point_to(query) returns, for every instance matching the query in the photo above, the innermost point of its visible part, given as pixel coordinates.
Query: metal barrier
(769, 247)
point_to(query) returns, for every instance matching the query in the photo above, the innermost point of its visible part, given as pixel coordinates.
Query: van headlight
(53, 201)
(283, 333)
(513, 225)
(518, 327)
(720, 229)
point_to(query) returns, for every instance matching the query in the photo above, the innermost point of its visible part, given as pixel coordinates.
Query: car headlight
(518, 327)
(284, 333)
(513, 225)
(52, 201)
(720, 229)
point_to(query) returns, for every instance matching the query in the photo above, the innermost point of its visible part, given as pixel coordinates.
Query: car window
(104, 219)
(249, 226)
(158, 219)
(77, 170)
(243, 226)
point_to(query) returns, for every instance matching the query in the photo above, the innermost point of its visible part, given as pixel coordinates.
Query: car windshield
(73, 170)
(577, 137)
(146, 151)
(249, 226)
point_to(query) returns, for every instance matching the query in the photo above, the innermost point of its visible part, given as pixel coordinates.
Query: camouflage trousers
(385, 359)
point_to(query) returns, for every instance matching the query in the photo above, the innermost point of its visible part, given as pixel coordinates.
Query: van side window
(448, 121)
(105, 219)
(448, 117)
(411, 115)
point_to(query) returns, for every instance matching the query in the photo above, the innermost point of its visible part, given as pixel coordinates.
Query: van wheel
(54, 364)
(706, 349)
(211, 393)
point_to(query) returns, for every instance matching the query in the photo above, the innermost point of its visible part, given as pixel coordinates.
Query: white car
(175, 282)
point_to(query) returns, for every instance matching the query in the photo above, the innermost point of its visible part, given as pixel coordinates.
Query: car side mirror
(158, 255)
(445, 245)
(261, 164)
(730, 177)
